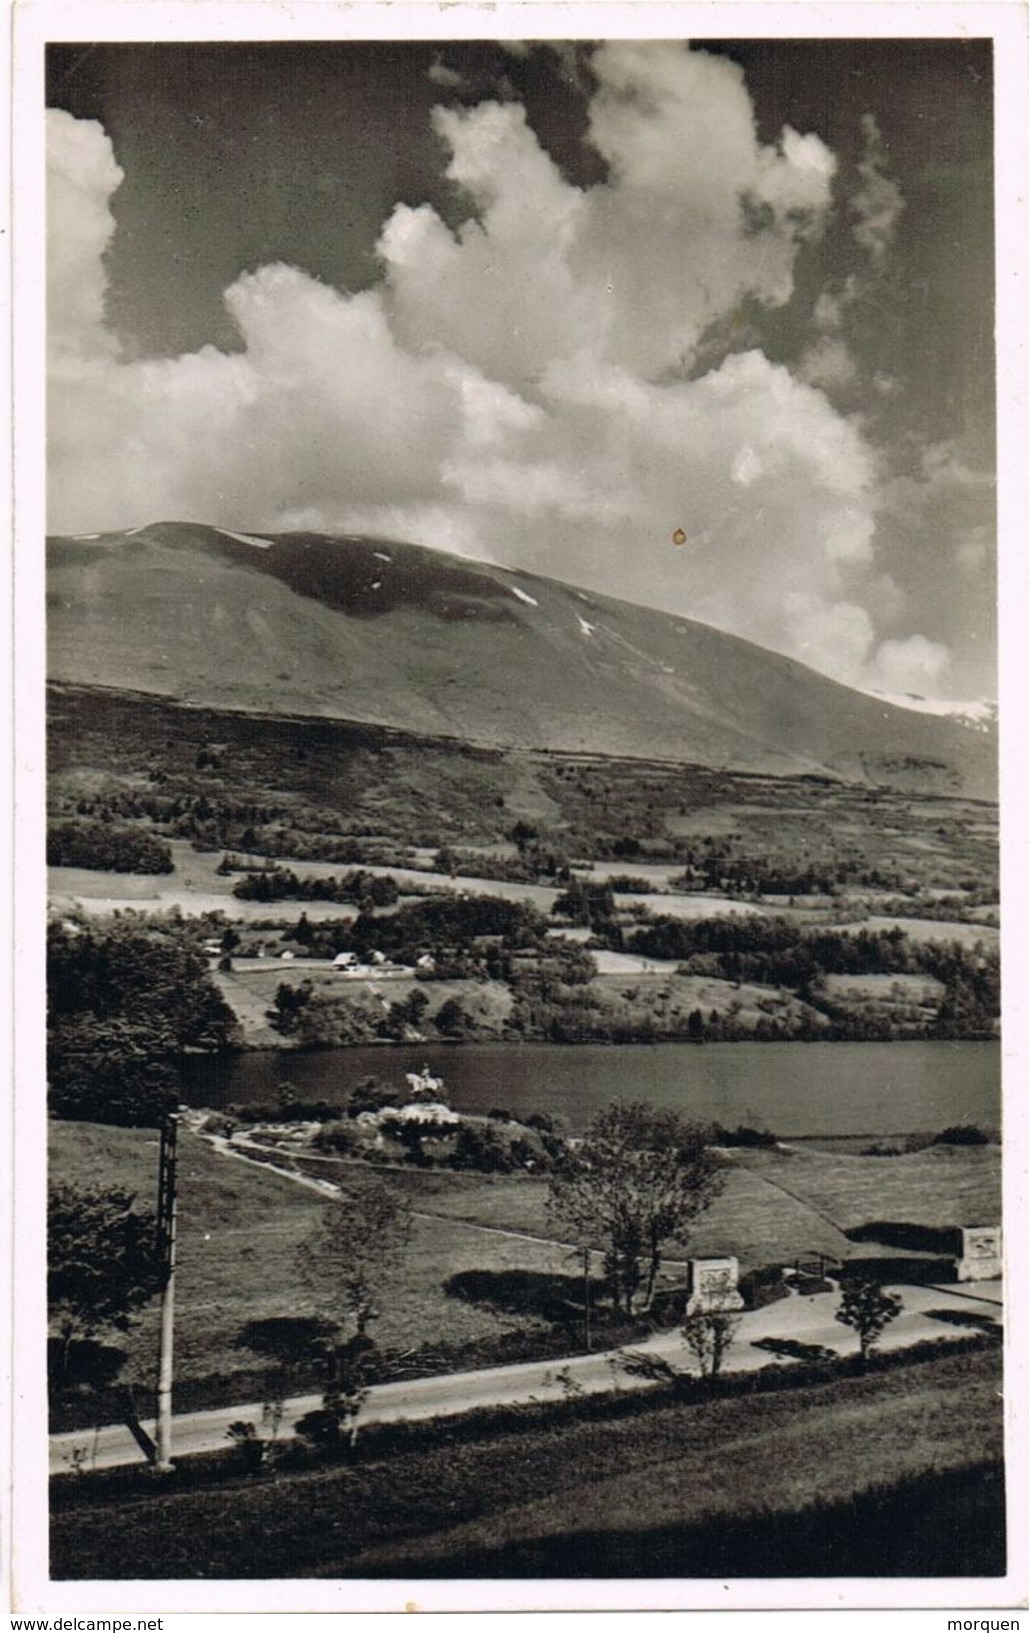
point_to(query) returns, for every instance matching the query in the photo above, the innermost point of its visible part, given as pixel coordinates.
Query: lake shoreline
(288, 1047)
(814, 1089)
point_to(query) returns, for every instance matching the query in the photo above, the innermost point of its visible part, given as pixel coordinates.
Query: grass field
(666, 1490)
(943, 1185)
(240, 1227)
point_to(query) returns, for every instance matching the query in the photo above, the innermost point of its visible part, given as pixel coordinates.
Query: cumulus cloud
(912, 665)
(440, 74)
(82, 176)
(974, 551)
(876, 206)
(514, 389)
(947, 494)
(828, 363)
(696, 214)
(878, 203)
(833, 304)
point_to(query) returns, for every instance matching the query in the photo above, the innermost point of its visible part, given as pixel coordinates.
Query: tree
(345, 1263)
(638, 1177)
(522, 834)
(868, 1309)
(709, 1331)
(452, 1019)
(104, 846)
(110, 1071)
(125, 1004)
(141, 974)
(290, 1002)
(479, 1146)
(370, 1094)
(103, 1261)
(354, 1365)
(352, 1250)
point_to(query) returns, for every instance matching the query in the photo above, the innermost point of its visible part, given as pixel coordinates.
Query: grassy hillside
(392, 634)
(240, 1227)
(893, 1474)
(307, 788)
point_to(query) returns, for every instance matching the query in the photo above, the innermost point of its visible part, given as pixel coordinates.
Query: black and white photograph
(525, 1092)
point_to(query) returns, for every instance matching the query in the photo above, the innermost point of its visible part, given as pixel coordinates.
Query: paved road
(798, 1319)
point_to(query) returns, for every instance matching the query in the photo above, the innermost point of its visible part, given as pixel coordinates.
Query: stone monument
(980, 1253)
(713, 1286)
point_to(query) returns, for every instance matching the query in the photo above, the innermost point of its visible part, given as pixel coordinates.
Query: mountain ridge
(395, 634)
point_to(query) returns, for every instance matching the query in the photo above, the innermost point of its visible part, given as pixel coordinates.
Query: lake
(790, 1088)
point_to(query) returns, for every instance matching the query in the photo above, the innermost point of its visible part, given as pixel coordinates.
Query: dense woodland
(125, 1004)
(106, 846)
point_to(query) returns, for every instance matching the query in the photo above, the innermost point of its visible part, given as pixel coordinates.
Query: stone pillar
(980, 1253)
(713, 1286)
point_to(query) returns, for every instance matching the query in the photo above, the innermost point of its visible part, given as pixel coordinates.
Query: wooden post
(166, 1209)
(586, 1281)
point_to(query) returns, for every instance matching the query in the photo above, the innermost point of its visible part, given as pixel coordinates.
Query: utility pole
(166, 1205)
(586, 1305)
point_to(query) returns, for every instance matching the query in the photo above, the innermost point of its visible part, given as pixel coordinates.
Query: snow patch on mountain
(977, 715)
(246, 538)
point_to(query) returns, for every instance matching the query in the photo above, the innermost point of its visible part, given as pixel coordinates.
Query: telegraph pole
(166, 1206)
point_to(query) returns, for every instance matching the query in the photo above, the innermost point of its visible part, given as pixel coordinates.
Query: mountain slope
(373, 630)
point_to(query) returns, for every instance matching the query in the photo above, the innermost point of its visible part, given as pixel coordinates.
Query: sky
(551, 305)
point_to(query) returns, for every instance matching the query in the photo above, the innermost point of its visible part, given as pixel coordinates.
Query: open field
(241, 1225)
(943, 1185)
(332, 779)
(932, 929)
(193, 887)
(196, 887)
(637, 990)
(641, 1489)
(790, 1459)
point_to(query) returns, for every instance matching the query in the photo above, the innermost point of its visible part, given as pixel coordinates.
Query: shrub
(345, 1136)
(962, 1134)
(480, 1146)
(762, 1286)
(743, 1135)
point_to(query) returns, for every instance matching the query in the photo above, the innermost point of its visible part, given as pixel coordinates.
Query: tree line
(775, 951)
(282, 884)
(106, 847)
(124, 1005)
